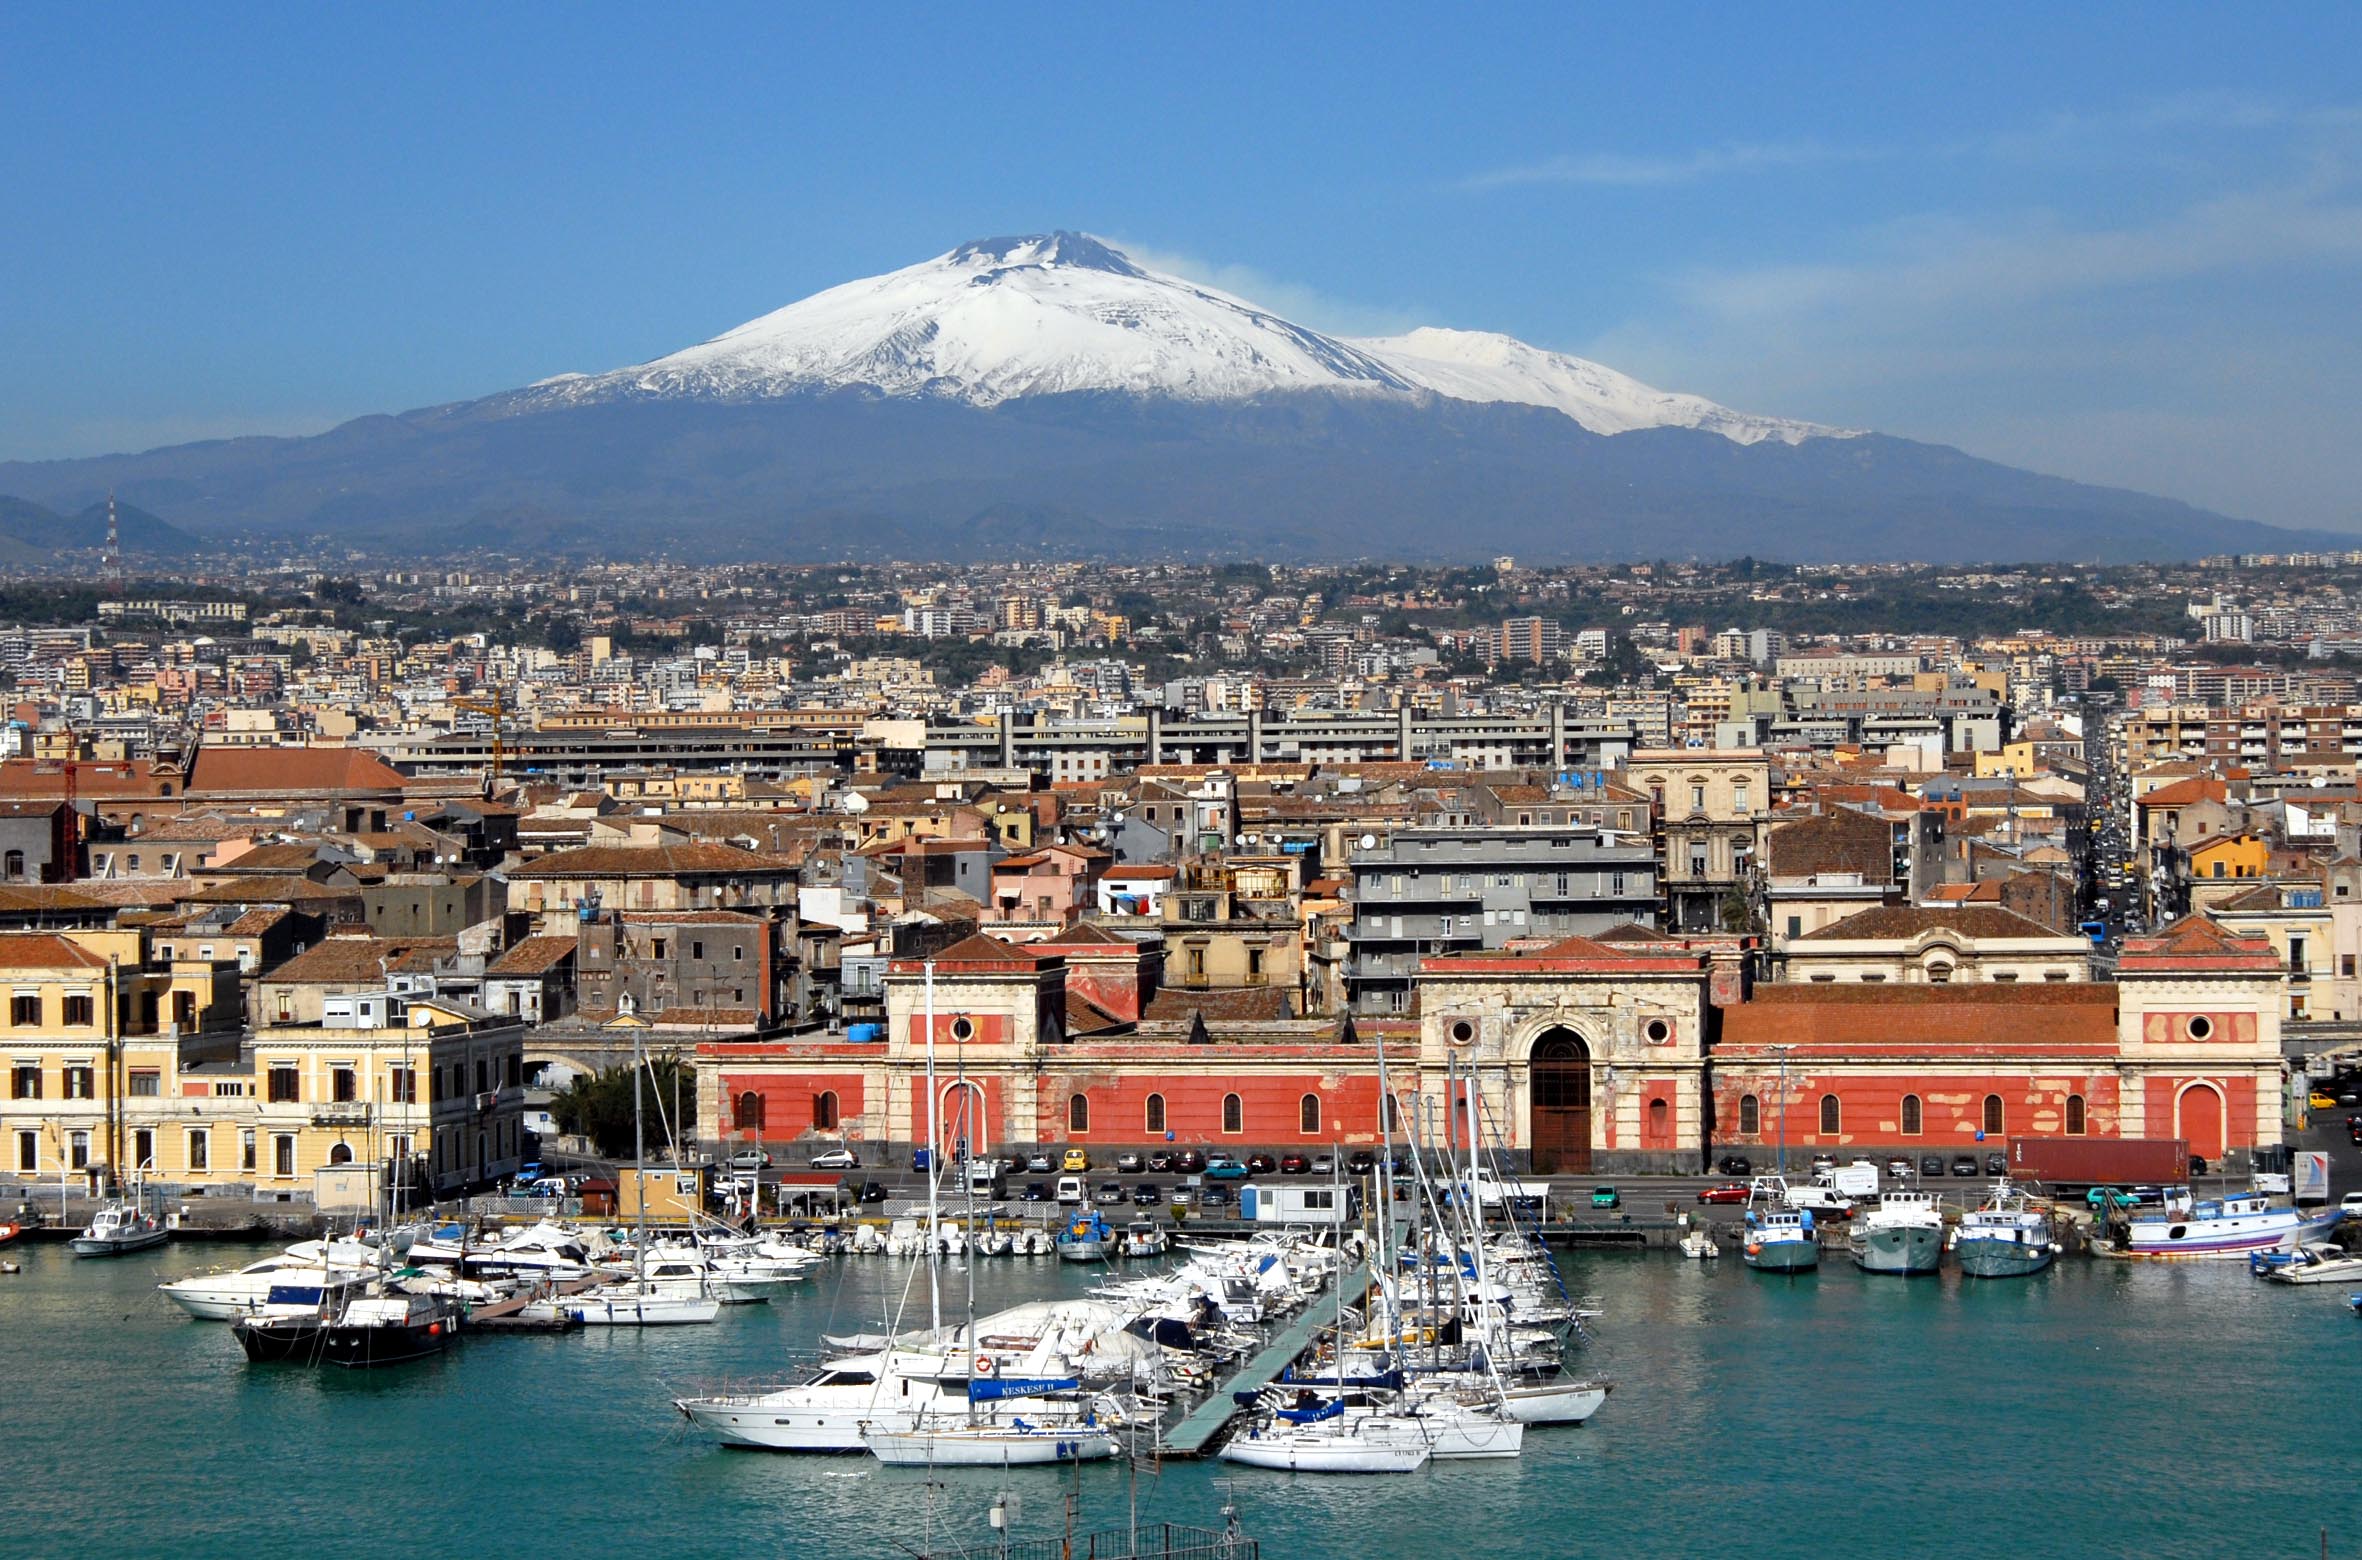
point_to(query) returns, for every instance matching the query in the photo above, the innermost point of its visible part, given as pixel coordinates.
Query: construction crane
(497, 708)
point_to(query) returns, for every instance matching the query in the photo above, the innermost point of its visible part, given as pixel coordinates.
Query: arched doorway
(1561, 1091)
(2198, 1117)
(961, 1123)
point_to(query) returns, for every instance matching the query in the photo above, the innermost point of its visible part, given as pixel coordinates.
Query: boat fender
(986, 1365)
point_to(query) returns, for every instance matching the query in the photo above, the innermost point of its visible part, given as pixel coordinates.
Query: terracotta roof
(45, 951)
(1899, 923)
(34, 898)
(271, 890)
(979, 951)
(1086, 934)
(285, 771)
(2184, 792)
(345, 961)
(699, 859)
(1246, 1005)
(1895, 1020)
(533, 956)
(2195, 942)
(1987, 892)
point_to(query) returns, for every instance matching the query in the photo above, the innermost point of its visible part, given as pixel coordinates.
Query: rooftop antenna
(110, 562)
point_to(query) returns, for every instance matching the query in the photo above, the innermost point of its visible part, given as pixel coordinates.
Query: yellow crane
(497, 708)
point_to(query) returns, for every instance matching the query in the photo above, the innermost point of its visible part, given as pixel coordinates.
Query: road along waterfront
(2108, 1407)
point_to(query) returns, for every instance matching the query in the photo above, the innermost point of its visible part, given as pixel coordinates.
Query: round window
(2201, 1027)
(1658, 1031)
(962, 1029)
(1463, 1032)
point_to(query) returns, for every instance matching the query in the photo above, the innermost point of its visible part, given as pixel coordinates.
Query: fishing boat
(2007, 1236)
(121, 1227)
(2314, 1262)
(1781, 1240)
(1904, 1234)
(1086, 1238)
(2230, 1227)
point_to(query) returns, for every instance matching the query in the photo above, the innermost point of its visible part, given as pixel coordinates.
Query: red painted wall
(1271, 1108)
(2202, 1122)
(1870, 1110)
(788, 1102)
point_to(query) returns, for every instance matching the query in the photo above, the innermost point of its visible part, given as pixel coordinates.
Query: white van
(984, 1178)
(1070, 1190)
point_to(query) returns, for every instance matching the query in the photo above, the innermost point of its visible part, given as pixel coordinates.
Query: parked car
(2322, 1099)
(1012, 1164)
(1144, 1195)
(1214, 1197)
(874, 1192)
(1605, 1197)
(1728, 1192)
(1221, 1167)
(1824, 1161)
(1964, 1165)
(1183, 1196)
(1075, 1161)
(750, 1159)
(2110, 1196)
(1735, 1164)
(1109, 1192)
(1127, 1164)
(1190, 1162)
(1160, 1164)
(1360, 1162)
(1038, 1164)
(1399, 1164)
(2352, 1204)
(835, 1159)
(1899, 1166)
(1035, 1191)
(1324, 1164)
(1930, 1165)
(1998, 1164)
(1262, 1164)
(1294, 1164)
(2197, 1164)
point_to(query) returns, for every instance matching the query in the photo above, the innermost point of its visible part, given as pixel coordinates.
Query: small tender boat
(9, 1232)
(120, 1228)
(2314, 1262)
(1700, 1246)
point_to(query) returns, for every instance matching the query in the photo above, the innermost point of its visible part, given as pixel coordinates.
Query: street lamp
(1781, 1051)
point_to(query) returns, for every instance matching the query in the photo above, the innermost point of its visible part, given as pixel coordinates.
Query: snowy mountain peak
(1045, 249)
(1064, 313)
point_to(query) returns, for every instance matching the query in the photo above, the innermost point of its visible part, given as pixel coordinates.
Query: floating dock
(1201, 1425)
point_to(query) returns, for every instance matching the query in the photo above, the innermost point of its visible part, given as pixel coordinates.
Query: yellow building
(2231, 856)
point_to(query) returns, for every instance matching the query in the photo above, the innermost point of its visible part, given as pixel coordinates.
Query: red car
(1731, 1193)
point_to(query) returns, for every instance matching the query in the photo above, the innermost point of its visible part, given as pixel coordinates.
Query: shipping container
(2064, 1164)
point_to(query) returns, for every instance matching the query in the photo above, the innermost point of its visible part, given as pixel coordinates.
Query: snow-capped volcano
(1003, 318)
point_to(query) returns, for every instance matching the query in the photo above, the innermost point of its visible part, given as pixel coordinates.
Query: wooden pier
(1200, 1427)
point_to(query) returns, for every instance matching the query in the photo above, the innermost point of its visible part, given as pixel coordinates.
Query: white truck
(1820, 1199)
(1492, 1190)
(1858, 1180)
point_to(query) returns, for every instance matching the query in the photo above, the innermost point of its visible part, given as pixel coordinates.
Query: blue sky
(2116, 242)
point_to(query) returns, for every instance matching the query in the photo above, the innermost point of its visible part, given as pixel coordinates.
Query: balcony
(341, 1113)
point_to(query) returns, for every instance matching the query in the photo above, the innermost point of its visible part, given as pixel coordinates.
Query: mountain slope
(1048, 395)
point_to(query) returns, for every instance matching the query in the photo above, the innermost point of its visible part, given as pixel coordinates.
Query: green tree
(598, 1106)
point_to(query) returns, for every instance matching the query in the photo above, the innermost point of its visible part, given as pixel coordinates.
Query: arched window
(1832, 1119)
(2074, 1115)
(1992, 1115)
(747, 1112)
(1393, 1115)
(1155, 1114)
(1750, 1115)
(1234, 1114)
(1911, 1116)
(341, 1154)
(14, 866)
(1078, 1113)
(824, 1110)
(1660, 1116)
(1308, 1115)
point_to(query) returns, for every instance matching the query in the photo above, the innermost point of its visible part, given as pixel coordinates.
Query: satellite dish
(1369, 842)
(2320, 782)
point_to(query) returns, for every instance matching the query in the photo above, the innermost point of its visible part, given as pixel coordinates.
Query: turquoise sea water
(2101, 1408)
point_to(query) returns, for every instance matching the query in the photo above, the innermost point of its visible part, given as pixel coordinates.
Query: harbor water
(2099, 1408)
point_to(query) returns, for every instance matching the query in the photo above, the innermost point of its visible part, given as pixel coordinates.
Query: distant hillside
(32, 533)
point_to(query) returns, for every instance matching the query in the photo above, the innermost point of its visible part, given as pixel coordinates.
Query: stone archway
(1559, 1088)
(961, 1122)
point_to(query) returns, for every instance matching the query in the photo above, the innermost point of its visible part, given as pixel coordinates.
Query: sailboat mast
(639, 1174)
(934, 1280)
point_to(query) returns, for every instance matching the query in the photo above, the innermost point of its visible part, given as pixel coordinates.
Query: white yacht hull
(1291, 1452)
(989, 1447)
(596, 1310)
(792, 1427)
(1556, 1402)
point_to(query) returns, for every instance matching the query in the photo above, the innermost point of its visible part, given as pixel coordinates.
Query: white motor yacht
(222, 1297)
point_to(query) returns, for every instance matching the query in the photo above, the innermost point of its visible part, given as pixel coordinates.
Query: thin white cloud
(1617, 168)
(1323, 311)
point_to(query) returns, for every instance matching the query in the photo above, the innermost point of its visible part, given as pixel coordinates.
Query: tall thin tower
(110, 562)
